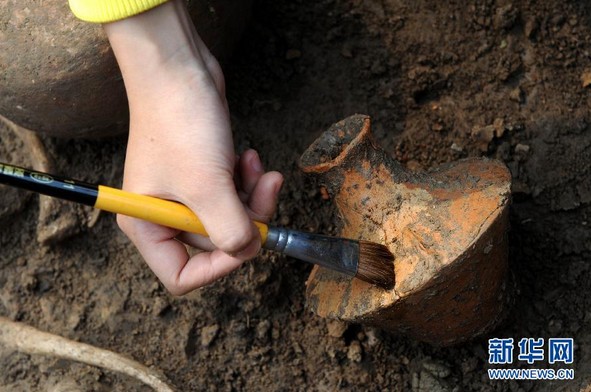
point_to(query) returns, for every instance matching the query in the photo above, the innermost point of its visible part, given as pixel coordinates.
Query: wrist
(157, 44)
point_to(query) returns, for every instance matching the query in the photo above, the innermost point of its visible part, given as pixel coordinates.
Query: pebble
(346, 51)
(28, 281)
(499, 125)
(297, 348)
(455, 147)
(208, 334)
(586, 78)
(521, 149)
(154, 287)
(159, 306)
(436, 368)
(361, 336)
(404, 360)
(516, 95)
(275, 333)
(336, 328)
(372, 337)
(485, 134)
(355, 352)
(262, 330)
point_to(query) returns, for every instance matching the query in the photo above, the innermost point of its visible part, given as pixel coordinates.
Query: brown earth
(442, 81)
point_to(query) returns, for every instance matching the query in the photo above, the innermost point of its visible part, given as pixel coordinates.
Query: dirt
(441, 81)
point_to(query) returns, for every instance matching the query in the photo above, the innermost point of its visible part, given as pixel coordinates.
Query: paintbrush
(365, 260)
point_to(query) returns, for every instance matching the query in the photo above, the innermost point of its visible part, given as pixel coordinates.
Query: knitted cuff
(104, 11)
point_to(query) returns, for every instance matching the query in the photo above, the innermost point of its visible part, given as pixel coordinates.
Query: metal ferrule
(338, 254)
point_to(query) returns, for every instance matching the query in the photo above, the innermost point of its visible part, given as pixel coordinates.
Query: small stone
(516, 95)
(159, 306)
(154, 287)
(262, 330)
(293, 54)
(28, 281)
(74, 317)
(331, 351)
(346, 51)
(297, 348)
(455, 147)
(284, 220)
(275, 332)
(485, 134)
(521, 149)
(573, 21)
(208, 334)
(355, 352)
(586, 78)
(372, 337)
(48, 308)
(436, 368)
(404, 360)
(499, 125)
(336, 328)
(324, 193)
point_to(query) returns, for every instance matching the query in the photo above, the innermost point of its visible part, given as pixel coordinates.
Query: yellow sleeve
(104, 11)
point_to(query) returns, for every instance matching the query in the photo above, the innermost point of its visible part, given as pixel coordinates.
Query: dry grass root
(29, 340)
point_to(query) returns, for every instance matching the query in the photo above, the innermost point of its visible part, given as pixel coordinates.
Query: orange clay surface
(446, 229)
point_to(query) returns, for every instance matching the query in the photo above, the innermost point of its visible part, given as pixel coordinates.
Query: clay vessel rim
(348, 146)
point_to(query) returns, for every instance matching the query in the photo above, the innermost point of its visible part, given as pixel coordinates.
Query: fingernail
(255, 163)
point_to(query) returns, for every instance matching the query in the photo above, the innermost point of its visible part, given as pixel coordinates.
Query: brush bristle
(376, 264)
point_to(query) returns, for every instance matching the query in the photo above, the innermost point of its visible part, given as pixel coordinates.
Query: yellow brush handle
(163, 212)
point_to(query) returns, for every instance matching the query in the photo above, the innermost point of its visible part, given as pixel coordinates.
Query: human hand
(180, 148)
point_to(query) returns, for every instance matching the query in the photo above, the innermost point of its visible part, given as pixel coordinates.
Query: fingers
(228, 220)
(250, 170)
(258, 190)
(225, 219)
(262, 202)
(170, 261)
